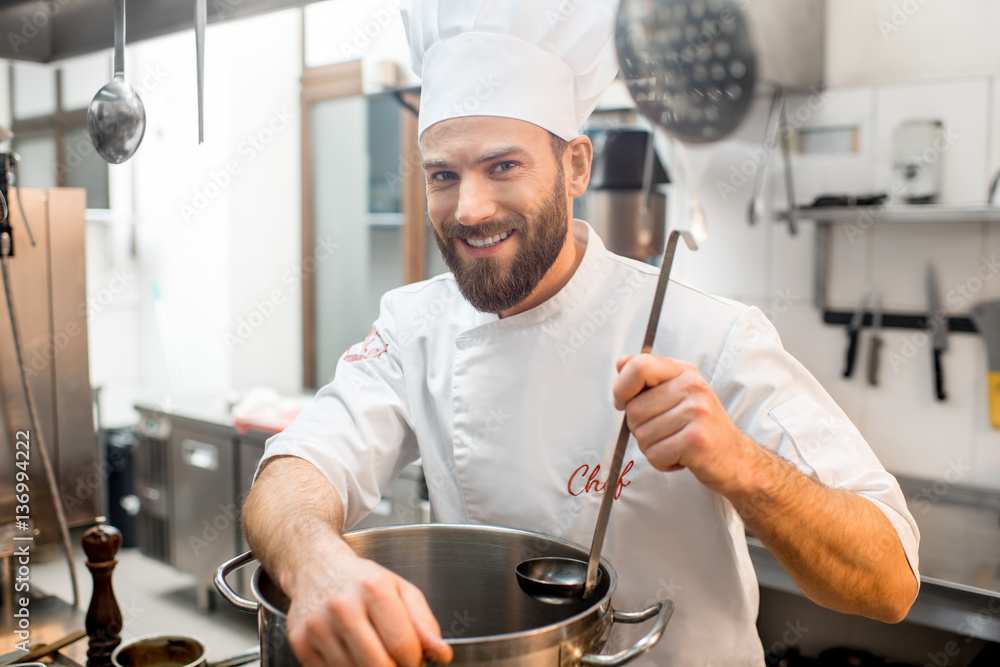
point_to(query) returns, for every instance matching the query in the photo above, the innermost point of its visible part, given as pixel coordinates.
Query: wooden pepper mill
(104, 617)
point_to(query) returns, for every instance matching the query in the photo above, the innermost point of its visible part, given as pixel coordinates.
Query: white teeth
(486, 243)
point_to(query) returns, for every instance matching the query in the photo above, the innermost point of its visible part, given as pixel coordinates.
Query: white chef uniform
(512, 416)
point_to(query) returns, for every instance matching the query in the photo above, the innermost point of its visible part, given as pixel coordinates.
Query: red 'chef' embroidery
(372, 347)
(585, 482)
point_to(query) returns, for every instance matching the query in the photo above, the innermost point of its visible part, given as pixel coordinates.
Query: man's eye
(504, 166)
(442, 176)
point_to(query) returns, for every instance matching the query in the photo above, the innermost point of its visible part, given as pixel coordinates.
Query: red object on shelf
(271, 422)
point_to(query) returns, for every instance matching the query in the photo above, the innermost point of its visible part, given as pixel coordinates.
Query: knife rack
(826, 218)
(900, 321)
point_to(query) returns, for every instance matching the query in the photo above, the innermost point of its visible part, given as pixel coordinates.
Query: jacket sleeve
(781, 406)
(357, 430)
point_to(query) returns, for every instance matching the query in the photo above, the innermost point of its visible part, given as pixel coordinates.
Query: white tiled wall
(840, 107)
(907, 427)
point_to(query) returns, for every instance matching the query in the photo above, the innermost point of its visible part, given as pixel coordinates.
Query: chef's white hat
(542, 61)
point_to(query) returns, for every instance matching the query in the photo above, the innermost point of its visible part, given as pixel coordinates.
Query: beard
(493, 285)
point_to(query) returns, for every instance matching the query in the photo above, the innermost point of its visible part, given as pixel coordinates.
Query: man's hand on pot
(346, 610)
(678, 421)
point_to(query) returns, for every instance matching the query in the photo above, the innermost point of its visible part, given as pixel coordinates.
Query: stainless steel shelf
(902, 214)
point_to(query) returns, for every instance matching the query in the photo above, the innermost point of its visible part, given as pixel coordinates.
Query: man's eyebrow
(434, 164)
(500, 152)
(495, 154)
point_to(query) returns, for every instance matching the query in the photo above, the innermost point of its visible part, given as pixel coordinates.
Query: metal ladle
(565, 579)
(691, 68)
(116, 117)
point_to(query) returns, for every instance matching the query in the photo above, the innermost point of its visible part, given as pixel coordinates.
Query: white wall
(879, 41)
(764, 265)
(342, 30)
(220, 222)
(199, 238)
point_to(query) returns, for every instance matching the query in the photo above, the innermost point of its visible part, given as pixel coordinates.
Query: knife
(937, 330)
(852, 331)
(876, 347)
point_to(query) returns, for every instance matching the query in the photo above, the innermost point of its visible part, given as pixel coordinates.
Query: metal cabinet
(188, 515)
(203, 496)
(193, 474)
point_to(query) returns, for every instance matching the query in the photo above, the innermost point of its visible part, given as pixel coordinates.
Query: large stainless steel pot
(467, 575)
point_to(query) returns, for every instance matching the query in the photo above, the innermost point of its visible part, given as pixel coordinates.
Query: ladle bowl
(117, 121)
(116, 117)
(554, 580)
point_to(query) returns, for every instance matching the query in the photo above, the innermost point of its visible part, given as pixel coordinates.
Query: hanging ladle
(116, 117)
(559, 580)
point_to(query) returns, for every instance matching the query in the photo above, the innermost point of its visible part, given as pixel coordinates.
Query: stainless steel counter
(959, 558)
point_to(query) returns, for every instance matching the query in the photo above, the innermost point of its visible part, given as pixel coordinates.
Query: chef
(507, 378)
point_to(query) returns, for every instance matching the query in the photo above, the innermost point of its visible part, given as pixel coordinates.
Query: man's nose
(475, 202)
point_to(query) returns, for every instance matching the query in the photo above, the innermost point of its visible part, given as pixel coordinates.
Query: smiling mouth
(486, 243)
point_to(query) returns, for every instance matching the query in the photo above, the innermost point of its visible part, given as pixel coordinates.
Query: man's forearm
(291, 514)
(840, 548)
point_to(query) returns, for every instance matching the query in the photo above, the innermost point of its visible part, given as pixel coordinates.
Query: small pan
(174, 651)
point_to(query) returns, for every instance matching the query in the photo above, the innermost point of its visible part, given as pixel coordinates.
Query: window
(50, 126)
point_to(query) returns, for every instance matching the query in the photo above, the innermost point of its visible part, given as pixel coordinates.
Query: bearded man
(512, 424)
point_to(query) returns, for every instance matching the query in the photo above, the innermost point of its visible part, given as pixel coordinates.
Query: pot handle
(231, 596)
(661, 610)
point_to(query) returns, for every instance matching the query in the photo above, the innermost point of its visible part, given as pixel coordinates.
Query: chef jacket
(514, 423)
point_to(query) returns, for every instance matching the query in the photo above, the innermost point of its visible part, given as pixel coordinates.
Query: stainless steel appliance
(916, 164)
(193, 472)
(49, 291)
(185, 483)
(614, 200)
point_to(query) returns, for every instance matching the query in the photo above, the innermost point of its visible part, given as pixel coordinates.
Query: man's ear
(581, 154)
